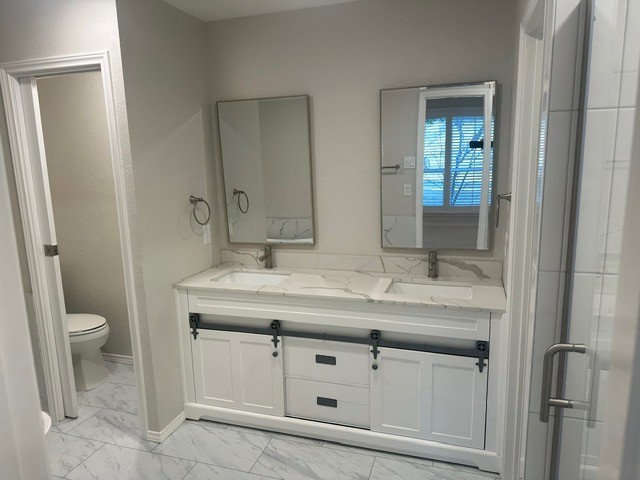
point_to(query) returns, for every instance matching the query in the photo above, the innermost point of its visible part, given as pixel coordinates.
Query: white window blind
(452, 175)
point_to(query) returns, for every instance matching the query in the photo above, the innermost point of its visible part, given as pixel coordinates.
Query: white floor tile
(121, 373)
(113, 396)
(210, 472)
(218, 446)
(386, 469)
(66, 452)
(118, 428)
(291, 460)
(84, 412)
(464, 468)
(378, 453)
(293, 438)
(112, 462)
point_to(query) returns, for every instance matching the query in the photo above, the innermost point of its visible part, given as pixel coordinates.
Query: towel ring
(239, 193)
(195, 201)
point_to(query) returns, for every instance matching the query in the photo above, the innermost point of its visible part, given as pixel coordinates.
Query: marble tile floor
(103, 443)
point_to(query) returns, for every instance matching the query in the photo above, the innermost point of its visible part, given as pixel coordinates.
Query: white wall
(164, 59)
(342, 56)
(74, 124)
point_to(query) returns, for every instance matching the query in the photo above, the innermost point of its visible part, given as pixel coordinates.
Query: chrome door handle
(546, 402)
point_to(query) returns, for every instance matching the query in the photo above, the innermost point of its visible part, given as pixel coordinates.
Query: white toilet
(87, 334)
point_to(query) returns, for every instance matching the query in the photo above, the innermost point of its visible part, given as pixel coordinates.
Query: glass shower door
(595, 232)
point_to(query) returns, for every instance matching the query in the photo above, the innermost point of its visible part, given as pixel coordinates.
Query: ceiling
(209, 10)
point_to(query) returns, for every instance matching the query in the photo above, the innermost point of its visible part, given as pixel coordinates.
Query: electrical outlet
(409, 162)
(206, 234)
(407, 189)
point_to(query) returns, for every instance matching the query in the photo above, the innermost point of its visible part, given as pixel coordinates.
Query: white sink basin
(428, 290)
(253, 278)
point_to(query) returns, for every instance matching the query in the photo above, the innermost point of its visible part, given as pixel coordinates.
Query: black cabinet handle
(326, 359)
(327, 402)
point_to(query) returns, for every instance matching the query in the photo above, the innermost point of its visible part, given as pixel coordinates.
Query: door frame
(523, 233)
(17, 115)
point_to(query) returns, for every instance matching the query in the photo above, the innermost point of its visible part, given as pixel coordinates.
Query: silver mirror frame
(491, 207)
(314, 240)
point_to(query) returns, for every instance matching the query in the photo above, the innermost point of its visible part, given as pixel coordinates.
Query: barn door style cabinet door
(429, 396)
(240, 371)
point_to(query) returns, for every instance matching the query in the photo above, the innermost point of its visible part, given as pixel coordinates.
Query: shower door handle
(546, 402)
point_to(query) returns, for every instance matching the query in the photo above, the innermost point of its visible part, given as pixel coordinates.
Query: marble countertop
(359, 286)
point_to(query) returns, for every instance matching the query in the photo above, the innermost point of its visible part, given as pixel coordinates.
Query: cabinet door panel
(212, 365)
(239, 371)
(400, 411)
(429, 396)
(258, 369)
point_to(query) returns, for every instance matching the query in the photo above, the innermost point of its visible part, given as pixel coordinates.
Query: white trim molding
(114, 357)
(10, 76)
(163, 434)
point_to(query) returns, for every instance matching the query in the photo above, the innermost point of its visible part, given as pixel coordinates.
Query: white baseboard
(112, 357)
(162, 435)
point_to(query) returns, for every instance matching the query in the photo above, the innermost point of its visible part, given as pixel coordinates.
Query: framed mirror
(437, 166)
(266, 160)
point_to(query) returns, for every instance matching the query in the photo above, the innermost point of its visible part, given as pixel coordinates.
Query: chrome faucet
(433, 265)
(267, 257)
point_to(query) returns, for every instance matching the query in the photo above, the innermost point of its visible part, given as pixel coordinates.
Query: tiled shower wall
(609, 116)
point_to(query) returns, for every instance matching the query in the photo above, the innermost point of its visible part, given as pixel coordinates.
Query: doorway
(77, 248)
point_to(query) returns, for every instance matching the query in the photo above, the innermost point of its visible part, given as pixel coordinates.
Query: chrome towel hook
(195, 201)
(240, 193)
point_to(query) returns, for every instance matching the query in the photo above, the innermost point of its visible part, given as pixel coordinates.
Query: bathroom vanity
(398, 363)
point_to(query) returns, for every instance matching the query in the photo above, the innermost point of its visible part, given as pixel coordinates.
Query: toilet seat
(85, 323)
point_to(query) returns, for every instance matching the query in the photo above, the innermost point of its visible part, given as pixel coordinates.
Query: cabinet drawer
(322, 360)
(329, 402)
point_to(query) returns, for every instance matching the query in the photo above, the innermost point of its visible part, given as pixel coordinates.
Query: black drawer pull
(328, 402)
(326, 359)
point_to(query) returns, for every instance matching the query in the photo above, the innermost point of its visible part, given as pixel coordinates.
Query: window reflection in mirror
(437, 176)
(267, 170)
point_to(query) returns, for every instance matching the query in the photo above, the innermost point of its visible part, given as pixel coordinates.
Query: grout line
(261, 453)
(189, 471)
(372, 465)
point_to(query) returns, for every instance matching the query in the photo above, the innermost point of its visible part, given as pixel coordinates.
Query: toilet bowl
(87, 334)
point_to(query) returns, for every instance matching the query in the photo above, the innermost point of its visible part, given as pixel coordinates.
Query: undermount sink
(253, 278)
(430, 290)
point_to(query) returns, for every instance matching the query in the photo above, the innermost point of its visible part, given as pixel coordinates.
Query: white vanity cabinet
(429, 396)
(398, 378)
(238, 371)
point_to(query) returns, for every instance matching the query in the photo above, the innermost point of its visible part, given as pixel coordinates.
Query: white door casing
(17, 80)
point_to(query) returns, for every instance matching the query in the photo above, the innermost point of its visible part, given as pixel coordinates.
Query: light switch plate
(206, 234)
(409, 162)
(407, 190)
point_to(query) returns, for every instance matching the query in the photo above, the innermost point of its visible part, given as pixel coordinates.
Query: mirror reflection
(266, 163)
(437, 168)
